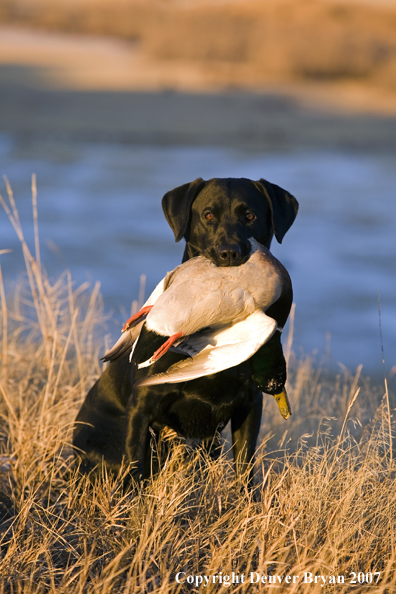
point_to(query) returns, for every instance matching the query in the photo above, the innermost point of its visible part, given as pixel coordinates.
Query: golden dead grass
(326, 506)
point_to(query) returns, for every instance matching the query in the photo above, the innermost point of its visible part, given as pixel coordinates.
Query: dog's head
(217, 217)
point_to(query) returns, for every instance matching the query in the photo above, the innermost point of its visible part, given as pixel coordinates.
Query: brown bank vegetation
(240, 42)
(325, 502)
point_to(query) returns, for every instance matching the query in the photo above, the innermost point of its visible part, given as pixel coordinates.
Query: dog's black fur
(216, 218)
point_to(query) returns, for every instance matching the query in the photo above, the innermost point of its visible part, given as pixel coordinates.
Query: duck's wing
(214, 350)
(128, 338)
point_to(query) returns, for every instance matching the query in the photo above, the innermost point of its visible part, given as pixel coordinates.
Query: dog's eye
(249, 216)
(209, 216)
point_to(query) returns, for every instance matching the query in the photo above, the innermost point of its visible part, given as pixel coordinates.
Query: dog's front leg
(137, 438)
(245, 427)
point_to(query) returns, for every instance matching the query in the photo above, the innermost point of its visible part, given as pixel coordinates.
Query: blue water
(100, 216)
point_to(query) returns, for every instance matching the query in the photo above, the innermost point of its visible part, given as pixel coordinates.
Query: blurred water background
(100, 216)
(111, 104)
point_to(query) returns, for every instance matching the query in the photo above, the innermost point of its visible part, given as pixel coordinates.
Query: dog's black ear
(284, 207)
(176, 205)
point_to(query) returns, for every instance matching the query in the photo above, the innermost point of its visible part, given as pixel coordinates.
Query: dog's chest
(207, 406)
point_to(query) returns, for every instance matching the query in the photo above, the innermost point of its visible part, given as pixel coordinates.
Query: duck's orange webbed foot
(137, 317)
(166, 346)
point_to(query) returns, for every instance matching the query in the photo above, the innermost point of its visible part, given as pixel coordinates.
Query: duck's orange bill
(283, 404)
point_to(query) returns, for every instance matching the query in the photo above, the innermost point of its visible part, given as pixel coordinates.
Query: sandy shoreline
(56, 86)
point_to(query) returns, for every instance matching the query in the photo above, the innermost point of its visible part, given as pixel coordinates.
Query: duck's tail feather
(123, 344)
(130, 335)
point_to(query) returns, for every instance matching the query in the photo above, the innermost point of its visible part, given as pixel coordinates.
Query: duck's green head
(268, 368)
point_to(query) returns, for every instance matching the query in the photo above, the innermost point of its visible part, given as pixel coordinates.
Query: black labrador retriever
(116, 421)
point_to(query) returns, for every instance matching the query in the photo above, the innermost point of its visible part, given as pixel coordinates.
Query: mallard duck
(216, 318)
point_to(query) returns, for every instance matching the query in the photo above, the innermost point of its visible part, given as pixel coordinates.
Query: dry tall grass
(327, 507)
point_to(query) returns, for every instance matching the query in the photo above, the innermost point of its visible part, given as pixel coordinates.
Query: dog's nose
(230, 255)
